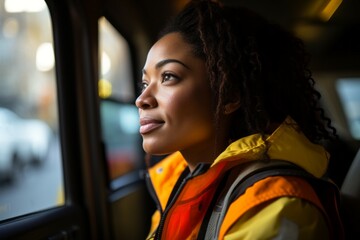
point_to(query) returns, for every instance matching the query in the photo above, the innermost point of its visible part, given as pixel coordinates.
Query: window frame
(71, 218)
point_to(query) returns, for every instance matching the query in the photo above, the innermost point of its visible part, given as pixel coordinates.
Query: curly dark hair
(255, 62)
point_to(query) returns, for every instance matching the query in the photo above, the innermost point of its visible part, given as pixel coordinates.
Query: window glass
(31, 177)
(349, 92)
(116, 80)
(120, 132)
(119, 116)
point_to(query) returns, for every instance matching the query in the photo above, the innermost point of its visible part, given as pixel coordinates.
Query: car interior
(88, 66)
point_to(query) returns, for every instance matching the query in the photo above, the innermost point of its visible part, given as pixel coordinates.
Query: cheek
(176, 103)
(192, 107)
(171, 101)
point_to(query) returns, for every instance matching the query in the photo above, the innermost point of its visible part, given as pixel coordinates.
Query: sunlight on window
(45, 57)
(17, 6)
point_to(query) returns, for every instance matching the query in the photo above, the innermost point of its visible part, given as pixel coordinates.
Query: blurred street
(38, 187)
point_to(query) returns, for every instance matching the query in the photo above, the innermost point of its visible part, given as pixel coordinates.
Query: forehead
(171, 45)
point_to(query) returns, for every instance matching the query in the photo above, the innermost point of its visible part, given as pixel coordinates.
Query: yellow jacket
(273, 208)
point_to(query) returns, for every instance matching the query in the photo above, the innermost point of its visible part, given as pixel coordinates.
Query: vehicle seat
(350, 200)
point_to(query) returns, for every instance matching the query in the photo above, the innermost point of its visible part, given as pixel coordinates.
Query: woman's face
(175, 104)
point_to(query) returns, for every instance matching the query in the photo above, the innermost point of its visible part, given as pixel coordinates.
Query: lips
(147, 125)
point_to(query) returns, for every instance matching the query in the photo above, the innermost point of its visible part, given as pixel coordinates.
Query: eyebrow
(166, 61)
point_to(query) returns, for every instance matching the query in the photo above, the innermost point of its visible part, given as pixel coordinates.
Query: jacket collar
(285, 143)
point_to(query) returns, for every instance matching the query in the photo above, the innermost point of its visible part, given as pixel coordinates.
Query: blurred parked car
(10, 163)
(35, 136)
(22, 141)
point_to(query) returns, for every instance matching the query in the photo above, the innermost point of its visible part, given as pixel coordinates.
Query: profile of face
(175, 103)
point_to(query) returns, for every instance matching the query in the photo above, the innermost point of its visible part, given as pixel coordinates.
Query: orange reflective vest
(182, 218)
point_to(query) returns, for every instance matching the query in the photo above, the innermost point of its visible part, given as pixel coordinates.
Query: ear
(231, 107)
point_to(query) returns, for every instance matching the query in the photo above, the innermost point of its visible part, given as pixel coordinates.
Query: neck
(204, 153)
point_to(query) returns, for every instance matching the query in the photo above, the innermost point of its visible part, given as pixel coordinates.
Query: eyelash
(144, 84)
(169, 75)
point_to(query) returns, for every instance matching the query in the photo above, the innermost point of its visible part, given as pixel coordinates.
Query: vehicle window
(119, 116)
(116, 80)
(348, 90)
(31, 177)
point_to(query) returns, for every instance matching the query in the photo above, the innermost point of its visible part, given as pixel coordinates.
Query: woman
(222, 89)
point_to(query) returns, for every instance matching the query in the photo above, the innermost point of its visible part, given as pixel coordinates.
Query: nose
(146, 100)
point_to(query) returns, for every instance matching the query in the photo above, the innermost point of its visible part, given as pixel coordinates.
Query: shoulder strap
(252, 173)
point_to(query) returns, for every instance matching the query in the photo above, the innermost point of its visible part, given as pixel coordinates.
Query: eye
(166, 76)
(143, 85)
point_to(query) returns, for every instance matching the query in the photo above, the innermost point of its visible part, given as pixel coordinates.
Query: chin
(156, 151)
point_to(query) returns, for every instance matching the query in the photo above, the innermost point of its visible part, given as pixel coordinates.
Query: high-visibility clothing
(273, 208)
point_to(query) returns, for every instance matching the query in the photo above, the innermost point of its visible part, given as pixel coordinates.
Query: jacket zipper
(200, 169)
(168, 207)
